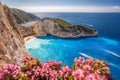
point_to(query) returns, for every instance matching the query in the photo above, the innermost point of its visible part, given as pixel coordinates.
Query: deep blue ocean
(104, 47)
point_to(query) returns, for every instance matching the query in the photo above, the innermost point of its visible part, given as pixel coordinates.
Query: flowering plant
(90, 69)
(33, 69)
(10, 71)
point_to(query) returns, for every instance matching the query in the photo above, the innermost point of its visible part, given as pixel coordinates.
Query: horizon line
(74, 12)
(99, 9)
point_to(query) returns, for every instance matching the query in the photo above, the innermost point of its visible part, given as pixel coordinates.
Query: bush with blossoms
(33, 69)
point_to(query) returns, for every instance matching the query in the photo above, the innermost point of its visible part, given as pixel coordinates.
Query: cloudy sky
(65, 5)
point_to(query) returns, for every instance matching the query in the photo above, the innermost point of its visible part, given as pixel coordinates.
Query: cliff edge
(57, 27)
(11, 42)
(53, 26)
(22, 16)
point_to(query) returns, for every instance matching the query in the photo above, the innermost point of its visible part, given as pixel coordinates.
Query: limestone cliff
(22, 16)
(11, 42)
(57, 27)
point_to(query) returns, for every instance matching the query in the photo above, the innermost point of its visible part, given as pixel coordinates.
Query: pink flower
(65, 72)
(32, 69)
(91, 77)
(10, 70)
(78, 74)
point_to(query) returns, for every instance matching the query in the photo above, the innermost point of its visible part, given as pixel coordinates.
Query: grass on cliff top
(61, 22)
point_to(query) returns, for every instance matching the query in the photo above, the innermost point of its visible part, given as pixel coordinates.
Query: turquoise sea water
(105, 47)
(65, 50)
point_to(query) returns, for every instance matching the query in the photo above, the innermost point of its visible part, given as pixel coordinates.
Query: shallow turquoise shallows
(66, 50)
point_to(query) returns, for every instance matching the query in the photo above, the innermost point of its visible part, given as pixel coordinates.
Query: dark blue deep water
(104, 47)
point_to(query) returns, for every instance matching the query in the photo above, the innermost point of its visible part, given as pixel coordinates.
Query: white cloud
(116, 7)
(70, 9)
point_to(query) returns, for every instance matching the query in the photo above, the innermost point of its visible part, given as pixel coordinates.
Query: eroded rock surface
(22, 16)
(11, 42)
(57, 27)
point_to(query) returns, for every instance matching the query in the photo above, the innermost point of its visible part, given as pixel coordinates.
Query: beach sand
(28, 38)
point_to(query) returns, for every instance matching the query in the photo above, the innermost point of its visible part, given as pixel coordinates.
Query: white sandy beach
(28, 38)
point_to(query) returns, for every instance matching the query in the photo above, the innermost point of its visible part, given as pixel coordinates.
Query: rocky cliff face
(23, 17)
(53, 26)
(11, 42)
(34, 30)
(57, 27)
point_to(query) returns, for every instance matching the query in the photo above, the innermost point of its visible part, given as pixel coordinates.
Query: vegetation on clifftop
(61, 22)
